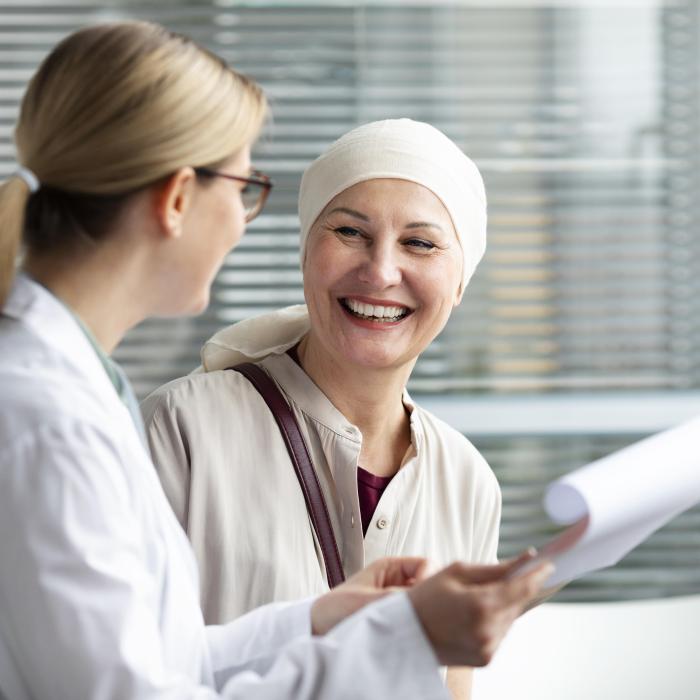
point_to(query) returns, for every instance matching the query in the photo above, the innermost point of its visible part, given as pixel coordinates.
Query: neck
(369, 398)
(101, 289)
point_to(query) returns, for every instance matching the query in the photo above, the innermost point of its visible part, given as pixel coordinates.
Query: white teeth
(374, 311)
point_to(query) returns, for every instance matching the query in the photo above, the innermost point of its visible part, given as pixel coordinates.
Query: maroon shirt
(370, 489)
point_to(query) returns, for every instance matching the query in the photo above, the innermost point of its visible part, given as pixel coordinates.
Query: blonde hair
(115, 108)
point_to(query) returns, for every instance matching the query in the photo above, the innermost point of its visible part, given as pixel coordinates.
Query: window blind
(583, 118)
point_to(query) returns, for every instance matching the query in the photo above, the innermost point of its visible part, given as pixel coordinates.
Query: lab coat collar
(37, 308)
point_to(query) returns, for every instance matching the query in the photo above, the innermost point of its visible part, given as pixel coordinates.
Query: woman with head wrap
(393, 224)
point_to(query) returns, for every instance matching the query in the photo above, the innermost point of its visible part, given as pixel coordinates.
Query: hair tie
(31, 180)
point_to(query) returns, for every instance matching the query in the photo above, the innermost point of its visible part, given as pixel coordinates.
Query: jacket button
(382, 523)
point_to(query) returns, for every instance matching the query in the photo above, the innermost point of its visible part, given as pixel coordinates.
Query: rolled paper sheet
(617, 502)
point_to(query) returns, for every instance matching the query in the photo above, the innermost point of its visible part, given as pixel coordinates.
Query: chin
(374, 357)
(192, 306)
(199, 306)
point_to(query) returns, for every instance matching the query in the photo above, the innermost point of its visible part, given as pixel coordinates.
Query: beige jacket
(227, 474)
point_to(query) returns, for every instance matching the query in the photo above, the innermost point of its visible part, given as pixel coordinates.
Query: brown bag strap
(299, 453)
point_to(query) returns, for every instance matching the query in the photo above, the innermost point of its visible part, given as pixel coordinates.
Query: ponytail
(14, 194)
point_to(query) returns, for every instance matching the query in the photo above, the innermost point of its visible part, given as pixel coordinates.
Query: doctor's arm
(80, 616)
(463, 611)
(79, 612)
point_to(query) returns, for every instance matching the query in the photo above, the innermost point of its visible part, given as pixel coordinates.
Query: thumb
(487, 573)
(514, 563)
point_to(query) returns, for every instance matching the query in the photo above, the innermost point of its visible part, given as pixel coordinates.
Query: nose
(381, 267)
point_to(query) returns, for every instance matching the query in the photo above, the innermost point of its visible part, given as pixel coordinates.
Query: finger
(415, 569)
(401, 571)
(505, 568)
(523, 588)
(487, 573)
(520, 560)
(524, 562)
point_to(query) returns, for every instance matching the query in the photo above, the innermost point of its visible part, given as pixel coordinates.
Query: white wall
(645, 650)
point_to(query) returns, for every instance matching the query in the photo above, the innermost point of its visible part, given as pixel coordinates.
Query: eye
(420, 243)
(348, 231)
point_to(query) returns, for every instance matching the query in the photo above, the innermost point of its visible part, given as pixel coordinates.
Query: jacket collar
(41, 312)
(300, 388)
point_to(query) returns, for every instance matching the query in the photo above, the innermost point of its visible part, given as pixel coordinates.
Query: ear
(173, 200)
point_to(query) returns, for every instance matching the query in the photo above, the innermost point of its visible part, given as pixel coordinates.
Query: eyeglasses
(253, 195)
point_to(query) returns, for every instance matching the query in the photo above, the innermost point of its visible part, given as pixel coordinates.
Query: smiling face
(382, 273)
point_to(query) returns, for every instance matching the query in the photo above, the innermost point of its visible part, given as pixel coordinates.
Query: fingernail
(531, 552)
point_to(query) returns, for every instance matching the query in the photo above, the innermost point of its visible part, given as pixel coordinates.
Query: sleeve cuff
(402, 649)
(400, 616)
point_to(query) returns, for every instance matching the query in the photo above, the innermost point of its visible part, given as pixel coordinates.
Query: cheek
(235, 236)
(453, 280)
(231, 225)
(324, 266)
(315, 282)
(225, 226)
(440, 285)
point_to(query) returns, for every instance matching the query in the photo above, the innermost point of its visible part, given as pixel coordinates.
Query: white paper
(615, 503)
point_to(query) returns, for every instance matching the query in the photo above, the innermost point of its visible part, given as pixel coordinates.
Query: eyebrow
(363, 217)
(426, 224)
(351, 212)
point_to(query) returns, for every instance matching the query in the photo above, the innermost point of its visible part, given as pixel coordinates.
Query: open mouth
(374, 312)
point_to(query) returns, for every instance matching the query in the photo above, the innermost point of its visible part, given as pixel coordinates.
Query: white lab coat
(98, 585)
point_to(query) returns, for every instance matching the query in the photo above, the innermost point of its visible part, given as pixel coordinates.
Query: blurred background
(580, 332)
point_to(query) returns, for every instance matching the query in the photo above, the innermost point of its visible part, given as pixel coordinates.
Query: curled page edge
(659, 476)
(565, 504)
(561, 543)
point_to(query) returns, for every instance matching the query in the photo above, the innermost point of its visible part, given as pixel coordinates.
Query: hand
(373, 582)
(467, 610)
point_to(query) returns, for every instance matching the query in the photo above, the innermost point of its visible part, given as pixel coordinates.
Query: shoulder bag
(301, 459)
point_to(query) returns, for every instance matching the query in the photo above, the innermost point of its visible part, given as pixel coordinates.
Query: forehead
(382, 196)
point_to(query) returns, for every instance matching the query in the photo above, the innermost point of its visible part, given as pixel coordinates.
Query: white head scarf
(406, 150)
(394, 148)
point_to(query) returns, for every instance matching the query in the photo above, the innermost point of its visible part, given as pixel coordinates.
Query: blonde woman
(135, 182)
(393, 224)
